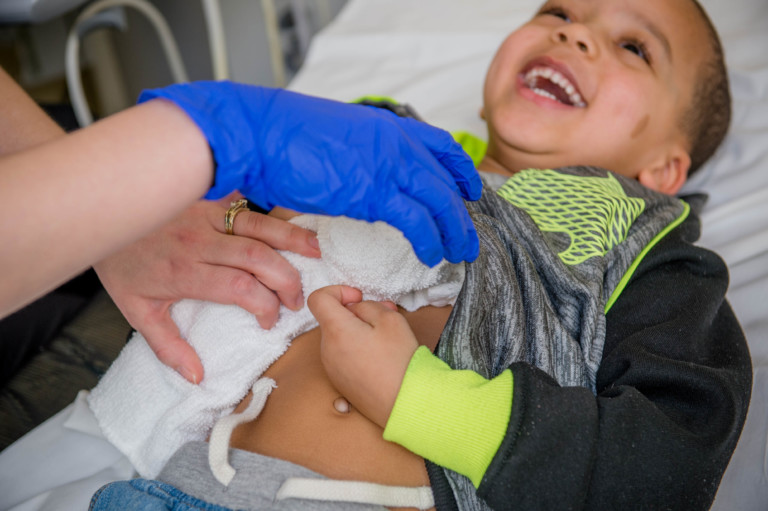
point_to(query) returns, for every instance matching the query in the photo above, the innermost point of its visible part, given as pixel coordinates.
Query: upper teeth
(556, 78)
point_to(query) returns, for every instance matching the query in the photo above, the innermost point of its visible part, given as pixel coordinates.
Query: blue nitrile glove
(312, 155)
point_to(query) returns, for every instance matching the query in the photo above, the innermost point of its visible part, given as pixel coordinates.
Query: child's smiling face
(597, 82)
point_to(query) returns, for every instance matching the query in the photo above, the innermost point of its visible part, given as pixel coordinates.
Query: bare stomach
(300, 423)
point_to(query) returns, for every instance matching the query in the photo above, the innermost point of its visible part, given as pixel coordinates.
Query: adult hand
(192, 257)
(365, 348)
(312, 155)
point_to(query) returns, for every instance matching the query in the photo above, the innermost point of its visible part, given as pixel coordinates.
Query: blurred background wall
(117, 63)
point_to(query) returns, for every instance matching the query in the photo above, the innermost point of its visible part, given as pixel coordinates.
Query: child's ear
(481, 113)
(669, 174)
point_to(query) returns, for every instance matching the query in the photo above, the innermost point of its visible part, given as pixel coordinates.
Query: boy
(664, 385)
(622, 85)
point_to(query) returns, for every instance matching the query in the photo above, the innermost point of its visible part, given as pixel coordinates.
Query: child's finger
(390, 305)
(372, 312)
(328, 304)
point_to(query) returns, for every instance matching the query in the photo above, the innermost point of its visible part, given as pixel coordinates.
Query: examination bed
(432, 55)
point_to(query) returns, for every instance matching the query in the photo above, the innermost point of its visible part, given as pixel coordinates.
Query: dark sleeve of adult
(673, 390)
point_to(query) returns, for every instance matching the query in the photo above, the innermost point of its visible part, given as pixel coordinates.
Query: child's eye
(556, 11)
(638, 48)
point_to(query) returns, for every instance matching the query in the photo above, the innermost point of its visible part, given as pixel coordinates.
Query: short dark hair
(708, 117)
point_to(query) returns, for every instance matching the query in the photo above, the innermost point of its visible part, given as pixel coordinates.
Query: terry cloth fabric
(148, 411)
(554, 248)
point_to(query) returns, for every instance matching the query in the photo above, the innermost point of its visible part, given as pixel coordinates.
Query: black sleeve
(672, 395)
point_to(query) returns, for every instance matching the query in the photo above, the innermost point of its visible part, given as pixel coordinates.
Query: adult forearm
(113, 182)
(23, 124)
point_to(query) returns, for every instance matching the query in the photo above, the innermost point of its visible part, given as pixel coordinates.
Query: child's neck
(490, 164)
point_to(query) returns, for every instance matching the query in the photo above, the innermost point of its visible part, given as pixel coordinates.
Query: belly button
(341, 405)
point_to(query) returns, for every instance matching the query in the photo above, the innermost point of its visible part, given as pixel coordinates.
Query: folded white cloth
(148, 411)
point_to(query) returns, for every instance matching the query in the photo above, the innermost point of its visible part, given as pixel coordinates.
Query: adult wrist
(216, 109)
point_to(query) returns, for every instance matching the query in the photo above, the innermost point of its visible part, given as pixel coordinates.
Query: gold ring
(234, 208)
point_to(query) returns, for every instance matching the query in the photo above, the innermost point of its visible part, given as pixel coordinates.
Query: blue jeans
(143, 494)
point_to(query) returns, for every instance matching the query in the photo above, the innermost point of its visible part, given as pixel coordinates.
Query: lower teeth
(542, 92)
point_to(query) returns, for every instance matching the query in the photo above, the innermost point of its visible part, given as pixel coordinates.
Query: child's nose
(579, 36)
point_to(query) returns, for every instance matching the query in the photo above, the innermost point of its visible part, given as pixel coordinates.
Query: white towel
(148, 411)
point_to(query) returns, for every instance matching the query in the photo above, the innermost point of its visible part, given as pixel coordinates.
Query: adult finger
(163, 337)
(450, 154)
(428, 186)
(226, 285)
(277, 233)
(458, 231)
(263, 262)
(458, 235)
(437, 229)
(416, 223)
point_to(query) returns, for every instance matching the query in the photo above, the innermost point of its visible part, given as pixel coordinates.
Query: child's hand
(365, 348)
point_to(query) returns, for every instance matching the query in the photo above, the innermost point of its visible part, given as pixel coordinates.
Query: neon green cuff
(456, 419)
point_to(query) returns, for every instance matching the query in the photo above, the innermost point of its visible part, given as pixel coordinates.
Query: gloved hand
(312, 155)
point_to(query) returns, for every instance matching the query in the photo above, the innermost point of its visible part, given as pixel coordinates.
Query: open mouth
(552, 84)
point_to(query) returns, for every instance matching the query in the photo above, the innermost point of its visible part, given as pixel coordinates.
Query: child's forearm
(91, 192)
(456, 419)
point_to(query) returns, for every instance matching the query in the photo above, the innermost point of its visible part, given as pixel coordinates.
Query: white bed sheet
(433, 54)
